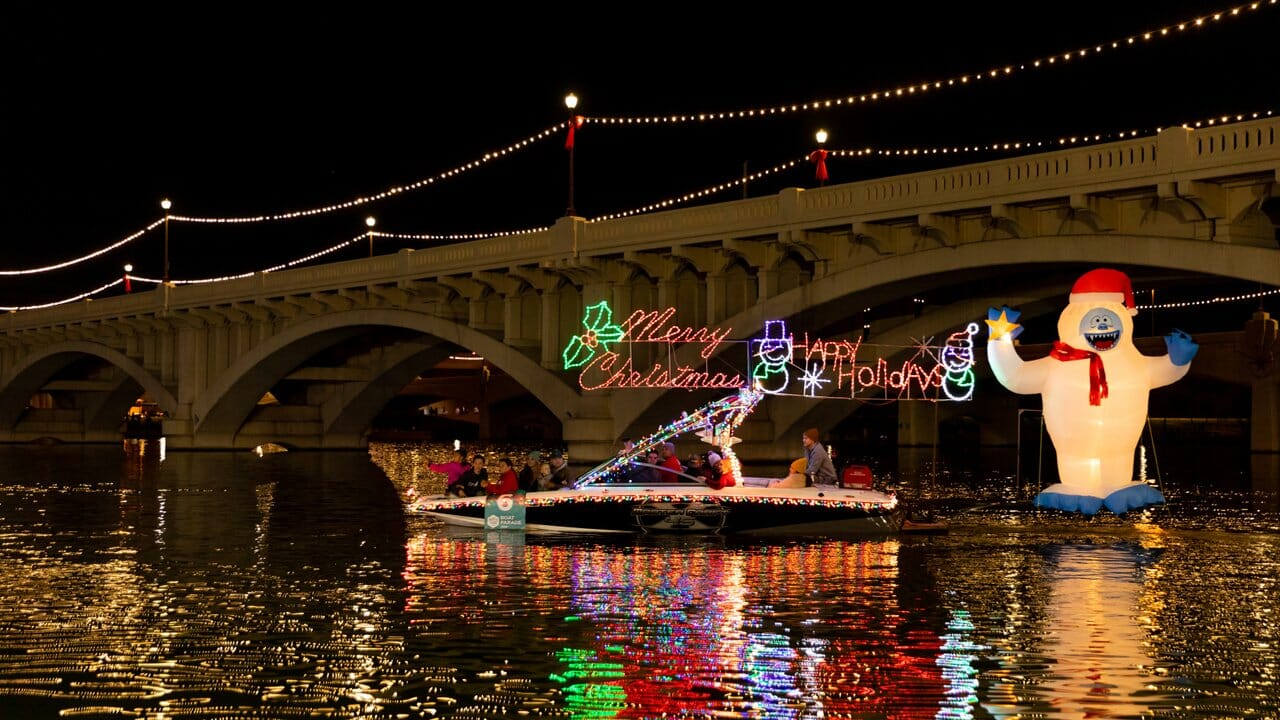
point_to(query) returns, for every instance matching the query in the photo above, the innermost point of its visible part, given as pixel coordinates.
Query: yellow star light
(1001, 326)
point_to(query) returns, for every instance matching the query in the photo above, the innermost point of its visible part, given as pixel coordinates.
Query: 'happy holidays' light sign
(777, 361)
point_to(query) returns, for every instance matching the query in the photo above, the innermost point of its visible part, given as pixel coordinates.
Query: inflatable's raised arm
(1094, 386)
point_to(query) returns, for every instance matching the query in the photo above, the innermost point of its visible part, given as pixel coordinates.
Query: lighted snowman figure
(1094, 386)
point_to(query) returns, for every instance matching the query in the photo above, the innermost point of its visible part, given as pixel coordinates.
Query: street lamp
(166, 205)
(128, 268)
(819, 157)
(369, 222)
(571, 102)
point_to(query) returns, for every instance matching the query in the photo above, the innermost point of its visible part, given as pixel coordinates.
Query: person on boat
(697, 465)
(710, 470)
(559, 473)
(795, 476)
(528, 476)
(505, 483)
(671, 463)
(627, 470)
(452, 470)
(818, 469)
(472, 482)
(648, 473)
(723, 472)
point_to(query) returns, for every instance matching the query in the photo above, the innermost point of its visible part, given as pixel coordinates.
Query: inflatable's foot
(1133, 496)
(1055, 498)
(1119, 501)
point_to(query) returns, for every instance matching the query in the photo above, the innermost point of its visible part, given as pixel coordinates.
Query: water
(226, 585)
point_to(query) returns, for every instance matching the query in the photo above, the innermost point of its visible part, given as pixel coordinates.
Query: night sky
(238, 109)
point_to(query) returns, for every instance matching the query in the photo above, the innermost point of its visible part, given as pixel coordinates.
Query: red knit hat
(1104, 285)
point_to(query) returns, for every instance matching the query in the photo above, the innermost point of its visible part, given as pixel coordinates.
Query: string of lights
(389, 192)
(737, 114)
(671, 202)
(83, 258)
(949, 82)
(1210, 301)
(64, 301)
(691, 196)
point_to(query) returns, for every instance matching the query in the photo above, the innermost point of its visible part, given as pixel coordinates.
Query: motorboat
(611, 497)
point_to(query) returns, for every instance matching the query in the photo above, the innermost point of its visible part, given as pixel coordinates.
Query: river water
(231, 585)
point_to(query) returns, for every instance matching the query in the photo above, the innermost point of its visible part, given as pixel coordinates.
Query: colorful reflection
(679, 634)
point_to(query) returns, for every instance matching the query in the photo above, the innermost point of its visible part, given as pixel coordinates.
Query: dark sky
(237, 109)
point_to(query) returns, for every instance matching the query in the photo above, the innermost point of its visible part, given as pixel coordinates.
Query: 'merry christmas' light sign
(775, 360)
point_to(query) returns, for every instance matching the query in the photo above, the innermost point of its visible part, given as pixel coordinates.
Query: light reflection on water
(228, 585)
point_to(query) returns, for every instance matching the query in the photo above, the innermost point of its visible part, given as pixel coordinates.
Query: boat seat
(856, 477)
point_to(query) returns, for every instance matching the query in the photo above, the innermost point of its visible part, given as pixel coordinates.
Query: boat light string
(1195, 23)
(554, 130)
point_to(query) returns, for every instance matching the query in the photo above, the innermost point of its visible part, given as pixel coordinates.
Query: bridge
(330, 345)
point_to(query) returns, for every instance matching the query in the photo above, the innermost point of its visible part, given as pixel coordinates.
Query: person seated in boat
(559, 473)
(544, 476)
(452, 470)
(647, 470)
(710, 472)
(795, 475)
(670, 463)
(721, 472)
(818, 470)
(506, 482)
(696, 465)
(472, 482)
(527, 476)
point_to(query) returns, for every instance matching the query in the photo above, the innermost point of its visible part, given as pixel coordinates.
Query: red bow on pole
(128, 287)
(574, 123)
(1097, 373)
(819, 158)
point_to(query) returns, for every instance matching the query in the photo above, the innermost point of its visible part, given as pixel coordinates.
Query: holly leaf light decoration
(600, 332)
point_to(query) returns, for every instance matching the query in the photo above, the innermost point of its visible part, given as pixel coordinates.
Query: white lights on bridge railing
(1168, 30)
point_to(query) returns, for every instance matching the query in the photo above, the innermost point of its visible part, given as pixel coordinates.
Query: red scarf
(1097, 374)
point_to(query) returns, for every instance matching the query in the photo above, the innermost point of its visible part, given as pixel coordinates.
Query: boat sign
(504, 512)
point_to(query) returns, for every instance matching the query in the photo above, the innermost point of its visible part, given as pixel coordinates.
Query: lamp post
(571, 102)
(166, 205)
(819, 157)
(128, 286)
(369, 222)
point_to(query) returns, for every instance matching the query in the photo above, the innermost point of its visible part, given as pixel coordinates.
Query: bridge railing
(1175, 155)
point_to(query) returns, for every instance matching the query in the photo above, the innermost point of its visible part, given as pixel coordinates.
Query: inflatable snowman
(1094, 386)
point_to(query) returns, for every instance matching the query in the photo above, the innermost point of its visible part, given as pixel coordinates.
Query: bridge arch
(222, 409)
(36, 369)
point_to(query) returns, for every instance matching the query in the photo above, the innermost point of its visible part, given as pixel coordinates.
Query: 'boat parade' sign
(778, 362)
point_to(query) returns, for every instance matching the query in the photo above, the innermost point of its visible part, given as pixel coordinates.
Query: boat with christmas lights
(606, 499)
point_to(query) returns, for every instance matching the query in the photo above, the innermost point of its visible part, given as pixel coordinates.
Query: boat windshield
(714, 423)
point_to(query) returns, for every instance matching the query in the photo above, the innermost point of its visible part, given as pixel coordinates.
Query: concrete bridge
(332, 344)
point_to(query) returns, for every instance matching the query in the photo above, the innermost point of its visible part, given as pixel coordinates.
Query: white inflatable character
(1094, 386)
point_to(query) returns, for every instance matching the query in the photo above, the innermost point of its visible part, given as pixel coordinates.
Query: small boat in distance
(608, 499)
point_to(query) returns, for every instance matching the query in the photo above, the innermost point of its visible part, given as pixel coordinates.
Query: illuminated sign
(780, 364)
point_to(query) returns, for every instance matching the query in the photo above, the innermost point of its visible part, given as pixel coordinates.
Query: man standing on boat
(818, 468)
